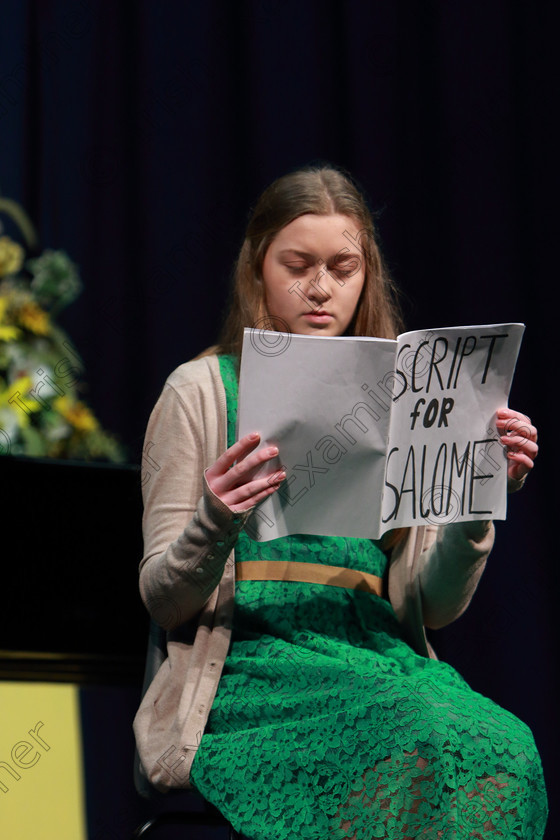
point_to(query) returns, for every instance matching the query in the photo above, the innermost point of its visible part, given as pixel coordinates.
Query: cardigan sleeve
(450, 568)
(189, 533)
(451, 565)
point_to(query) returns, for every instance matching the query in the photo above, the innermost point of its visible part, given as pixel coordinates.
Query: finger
(238, 451)
(517, 443)
(245, 497)
(257, 485)
(517, 427)
(521, 464)
(511, 418)
(244, 471)
(510, 412)
(241, 482)
(521, 458)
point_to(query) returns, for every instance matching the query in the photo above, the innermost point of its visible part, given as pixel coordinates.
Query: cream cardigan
(187, 571)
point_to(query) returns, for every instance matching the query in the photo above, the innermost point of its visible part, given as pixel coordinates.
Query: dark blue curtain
(138, 134)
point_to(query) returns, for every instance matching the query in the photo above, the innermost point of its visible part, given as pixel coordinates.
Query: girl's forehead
(318, 231)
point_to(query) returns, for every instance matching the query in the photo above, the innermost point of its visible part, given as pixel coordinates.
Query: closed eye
(296, 269)
(347, 268)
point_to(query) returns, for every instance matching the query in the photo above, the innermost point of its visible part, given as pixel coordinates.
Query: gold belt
(308, 573)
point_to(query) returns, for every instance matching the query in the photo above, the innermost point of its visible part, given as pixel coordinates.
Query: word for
(431, 411)
(434, 486)
(445, 376)
(21, 758)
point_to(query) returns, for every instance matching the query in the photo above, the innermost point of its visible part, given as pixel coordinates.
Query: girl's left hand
(519, 437)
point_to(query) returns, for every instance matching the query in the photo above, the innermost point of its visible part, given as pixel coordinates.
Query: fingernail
(254, 435)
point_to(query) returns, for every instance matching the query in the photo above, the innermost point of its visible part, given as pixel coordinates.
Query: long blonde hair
(322, 191)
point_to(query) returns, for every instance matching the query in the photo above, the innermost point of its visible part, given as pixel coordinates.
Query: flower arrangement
(41, 412)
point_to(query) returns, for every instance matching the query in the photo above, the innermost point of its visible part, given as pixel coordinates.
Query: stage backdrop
(137, 136)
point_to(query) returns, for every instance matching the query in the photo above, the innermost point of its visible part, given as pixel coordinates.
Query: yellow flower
(9, 333)
(76, 413)
(11, 256)
(34, 318)
(16, 397)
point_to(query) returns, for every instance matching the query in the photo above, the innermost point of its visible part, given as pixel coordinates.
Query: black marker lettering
(490, 351)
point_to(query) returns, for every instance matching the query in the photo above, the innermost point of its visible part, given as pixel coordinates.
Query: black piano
(71, 543)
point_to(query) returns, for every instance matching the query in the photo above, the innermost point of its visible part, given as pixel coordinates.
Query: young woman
(306, 707)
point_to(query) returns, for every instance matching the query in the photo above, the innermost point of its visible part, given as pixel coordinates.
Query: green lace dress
(327, 725)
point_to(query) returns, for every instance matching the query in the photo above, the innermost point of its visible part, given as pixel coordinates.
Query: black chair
(184, 808)
(192, 819)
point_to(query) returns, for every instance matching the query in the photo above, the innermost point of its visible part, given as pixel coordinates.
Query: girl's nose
(319, 287)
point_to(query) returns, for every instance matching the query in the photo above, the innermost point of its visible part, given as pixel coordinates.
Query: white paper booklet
(378, 434)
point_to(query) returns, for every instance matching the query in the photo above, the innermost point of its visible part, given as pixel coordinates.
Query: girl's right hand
(231, 477)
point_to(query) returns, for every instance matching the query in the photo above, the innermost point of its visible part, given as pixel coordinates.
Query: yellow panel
(41, 777)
